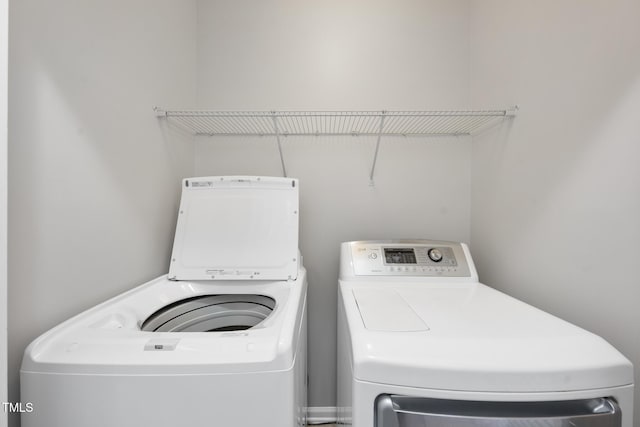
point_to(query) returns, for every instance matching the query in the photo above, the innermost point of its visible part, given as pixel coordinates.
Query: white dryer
(221, 340)
(422, 343)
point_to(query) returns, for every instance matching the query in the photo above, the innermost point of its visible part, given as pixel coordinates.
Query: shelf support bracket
(277, 132)
(375, 155)
(159, 112)
(512, 112)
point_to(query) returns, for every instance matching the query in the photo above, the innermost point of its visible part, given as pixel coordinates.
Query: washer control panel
(410, 258)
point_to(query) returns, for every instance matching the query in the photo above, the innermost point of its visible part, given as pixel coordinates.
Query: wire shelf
(304, 123)
(366, 123)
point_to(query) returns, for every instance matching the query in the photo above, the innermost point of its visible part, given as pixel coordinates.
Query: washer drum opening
(211, 313)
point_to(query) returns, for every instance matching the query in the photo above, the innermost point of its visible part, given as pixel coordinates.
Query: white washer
(221, 340)
(422, 343)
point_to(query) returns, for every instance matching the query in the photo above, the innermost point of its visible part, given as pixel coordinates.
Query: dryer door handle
(405, 411)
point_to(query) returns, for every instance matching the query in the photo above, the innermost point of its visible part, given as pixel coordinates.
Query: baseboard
(321, 414)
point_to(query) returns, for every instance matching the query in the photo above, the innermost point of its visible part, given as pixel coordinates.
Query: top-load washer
(220, 340)
(422, 343)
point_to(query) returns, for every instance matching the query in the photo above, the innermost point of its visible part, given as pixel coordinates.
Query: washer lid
(236, 228)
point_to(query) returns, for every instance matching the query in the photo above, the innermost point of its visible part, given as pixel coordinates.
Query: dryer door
(404, 411)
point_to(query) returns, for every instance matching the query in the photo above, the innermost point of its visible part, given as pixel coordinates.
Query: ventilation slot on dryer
(211, 313)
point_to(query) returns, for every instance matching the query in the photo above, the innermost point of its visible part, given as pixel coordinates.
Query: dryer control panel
(423, 258)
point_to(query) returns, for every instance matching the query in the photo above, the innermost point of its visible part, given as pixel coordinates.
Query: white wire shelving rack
(279, 124)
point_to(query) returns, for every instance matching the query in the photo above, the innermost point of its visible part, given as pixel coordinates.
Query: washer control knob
(435, 255)
(373, 255)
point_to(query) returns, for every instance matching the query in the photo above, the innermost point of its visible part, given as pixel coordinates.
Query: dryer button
(435, 255)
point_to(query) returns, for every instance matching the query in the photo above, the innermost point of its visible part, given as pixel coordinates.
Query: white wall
(4, 76)
(94, 179)
(332, 55)
(556, 197)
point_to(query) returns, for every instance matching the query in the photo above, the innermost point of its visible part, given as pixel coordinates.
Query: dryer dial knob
(435, 255)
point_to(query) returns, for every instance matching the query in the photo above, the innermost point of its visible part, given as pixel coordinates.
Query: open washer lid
(236, 228)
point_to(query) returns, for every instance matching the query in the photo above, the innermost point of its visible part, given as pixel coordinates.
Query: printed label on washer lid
(199, 184)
